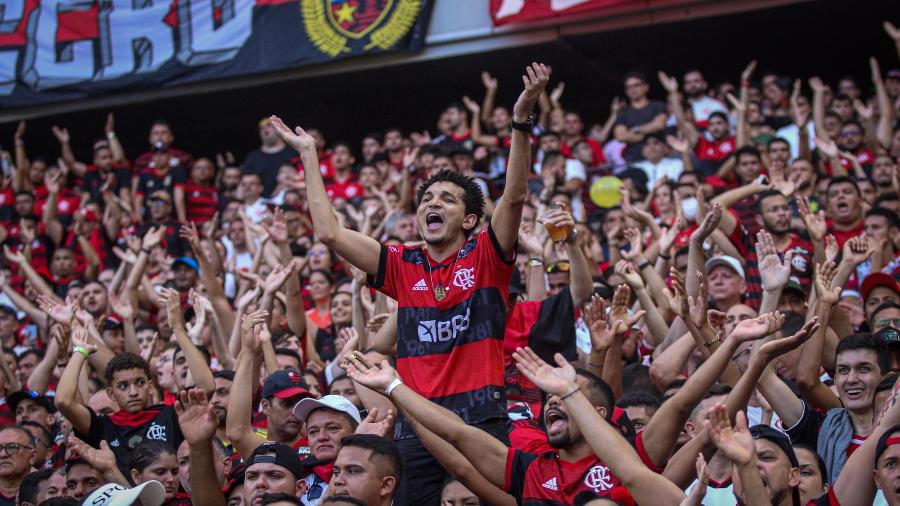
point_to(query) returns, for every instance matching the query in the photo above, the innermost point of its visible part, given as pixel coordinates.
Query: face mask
(888, 335)
(689, 208)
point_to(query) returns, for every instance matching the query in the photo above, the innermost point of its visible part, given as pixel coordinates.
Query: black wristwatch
(527, 126)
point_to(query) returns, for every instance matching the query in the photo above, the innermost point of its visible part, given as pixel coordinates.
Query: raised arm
(508, 214)
(359, 249)
(49, 216)
(819, 90)
(37, 282)
(65, 147)
(887, 114)
(488, 454)
(246, 380)
(685, 127)
(728, 199)
(808, 369)
(203, 378)
(67, 399)
(607, 442)
(198, 423)
(661, 434)
(215, 290)
(696, 263)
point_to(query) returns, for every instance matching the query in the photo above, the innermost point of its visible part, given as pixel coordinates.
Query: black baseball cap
(41, 400)
(781, 440)
(9, 310)
(280, 454)
(285, 385)
(886, 439)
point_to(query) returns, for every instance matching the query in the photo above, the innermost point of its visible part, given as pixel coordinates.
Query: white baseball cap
(730, 262)
(333, 402)
(151, 493)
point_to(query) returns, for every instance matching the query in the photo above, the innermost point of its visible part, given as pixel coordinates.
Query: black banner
(65, 50)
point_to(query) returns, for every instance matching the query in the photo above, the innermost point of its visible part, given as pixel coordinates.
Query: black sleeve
(377, 281)
(516, 467)
(95, 433)
(806, 431)
(554, 330)
(179, 176)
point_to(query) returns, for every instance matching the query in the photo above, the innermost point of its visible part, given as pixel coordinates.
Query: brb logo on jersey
(439, 331)
(464, 278)
(336, 25)
(598, 479)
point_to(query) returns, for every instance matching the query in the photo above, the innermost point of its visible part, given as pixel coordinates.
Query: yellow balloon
(605, 191)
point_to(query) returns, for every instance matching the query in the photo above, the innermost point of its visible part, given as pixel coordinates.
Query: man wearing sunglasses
(16, 454)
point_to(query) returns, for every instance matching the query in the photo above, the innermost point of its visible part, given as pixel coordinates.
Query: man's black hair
(886, 197)
(374, 135)
(385, 454)
(853, 122)
(473, 199)
(888, 304)
(229, 375)
(272, 497)
(598, 391)
(747, 151)
(346, 144)
(545, 133)
(763, 196)
(250, 173)
(776, 140)
(60, 501)
(47, 435)
(889, 215)
(458, 106)
(161, 122)
(346, 499)
(867, 342)
(635, 74)
(30, 351)
(288, 353)
(124, 362)
(840, 180)
(28, 489)
(146, 326)
(632, 399)
(719, 114)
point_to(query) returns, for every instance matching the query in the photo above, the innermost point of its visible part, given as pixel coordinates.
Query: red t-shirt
(714, 150)
(843, 236)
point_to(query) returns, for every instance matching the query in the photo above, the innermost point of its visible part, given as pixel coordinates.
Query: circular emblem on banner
(344, 26)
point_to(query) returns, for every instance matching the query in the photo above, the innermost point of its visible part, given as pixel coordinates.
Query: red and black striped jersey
(201, 202)
(450, 350)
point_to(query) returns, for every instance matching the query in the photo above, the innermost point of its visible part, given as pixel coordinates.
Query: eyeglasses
(851, 133)
(561, 266)
(889, 322)
(14, 448)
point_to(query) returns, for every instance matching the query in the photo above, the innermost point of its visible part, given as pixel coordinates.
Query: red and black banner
(514, 11)
(64, 50)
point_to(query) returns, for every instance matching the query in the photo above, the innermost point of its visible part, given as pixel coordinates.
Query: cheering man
(452, 293)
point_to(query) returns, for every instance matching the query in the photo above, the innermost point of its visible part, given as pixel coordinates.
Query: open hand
(557, 381)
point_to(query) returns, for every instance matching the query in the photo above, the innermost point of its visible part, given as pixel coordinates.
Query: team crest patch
(340, 26)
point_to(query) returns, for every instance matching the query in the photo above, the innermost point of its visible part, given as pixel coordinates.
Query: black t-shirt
(93, 180)
(125, 431)
(632, 117)
(325, 343)
(175, 245)
(267, 165)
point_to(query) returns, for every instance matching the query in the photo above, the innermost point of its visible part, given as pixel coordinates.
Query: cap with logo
(284, 385)
(727, 261)
(793, 285)
(280, 454)
(333, 402)
(41, 400)
(781, 440)
(150, 493)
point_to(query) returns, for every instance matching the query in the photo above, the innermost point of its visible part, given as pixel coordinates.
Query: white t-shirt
(791, 133)
(705, 106)
(257, 211)
(723, 496)
(668, 167)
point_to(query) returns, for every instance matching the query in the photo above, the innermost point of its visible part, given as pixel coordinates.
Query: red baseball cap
(875, 280)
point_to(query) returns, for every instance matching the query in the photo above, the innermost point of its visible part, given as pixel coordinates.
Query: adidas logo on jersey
(550, 484)
(420, 286)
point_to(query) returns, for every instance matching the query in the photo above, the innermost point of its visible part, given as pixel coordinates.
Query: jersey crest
(335, 25)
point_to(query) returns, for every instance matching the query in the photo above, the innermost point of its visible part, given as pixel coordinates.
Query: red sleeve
(739, 236)
(642, 453)
(507, 474)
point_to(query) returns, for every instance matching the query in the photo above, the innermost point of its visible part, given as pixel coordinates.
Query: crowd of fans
(475, 318)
